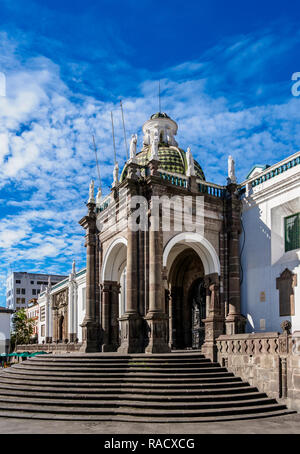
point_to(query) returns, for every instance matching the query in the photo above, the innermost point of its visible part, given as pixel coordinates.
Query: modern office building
(21, 287)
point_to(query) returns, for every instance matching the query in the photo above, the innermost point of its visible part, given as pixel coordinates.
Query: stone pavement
(289, 424)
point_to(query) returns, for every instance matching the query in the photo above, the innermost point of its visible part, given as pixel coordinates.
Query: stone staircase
(176, 387)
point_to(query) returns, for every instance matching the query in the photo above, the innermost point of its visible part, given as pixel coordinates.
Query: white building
(67, 300)
(270, 246)
(5, 320)
(22, 287)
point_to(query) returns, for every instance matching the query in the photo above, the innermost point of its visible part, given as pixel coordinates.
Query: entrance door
(197, 299)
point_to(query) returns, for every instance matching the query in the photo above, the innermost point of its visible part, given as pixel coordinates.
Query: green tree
(22, 329)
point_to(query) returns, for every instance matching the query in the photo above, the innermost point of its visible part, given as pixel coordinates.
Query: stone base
(209, 349)
(214, 326)
(110, 347)
(131, 334)
(72, 337)
(90, 337)
(235, 324)
(157, 327)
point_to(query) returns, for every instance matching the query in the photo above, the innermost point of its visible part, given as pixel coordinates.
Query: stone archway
(186, 270)
(187, 258)
(114, 267)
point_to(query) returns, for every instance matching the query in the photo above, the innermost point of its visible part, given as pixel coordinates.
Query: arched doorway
(113, 293)
(192, 269)
(187, 301)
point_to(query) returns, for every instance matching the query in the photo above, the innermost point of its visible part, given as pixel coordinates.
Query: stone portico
(165, 277)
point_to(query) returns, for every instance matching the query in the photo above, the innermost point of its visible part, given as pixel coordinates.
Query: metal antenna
(126, 148)
(159, 102)
(113, 134)
(98, 169)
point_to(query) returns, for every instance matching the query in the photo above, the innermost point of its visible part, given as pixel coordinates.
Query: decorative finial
(133, 144)
(190, 163)
(231, 171)
(73, 267)
(91, 192)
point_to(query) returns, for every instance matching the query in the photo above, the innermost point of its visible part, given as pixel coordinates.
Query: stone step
(181, 389)
(144, 412)
(132, 404)
(184, 356)
(113, 366)
(114, 372)
(141, 388)
(138, 383)
(218, 372)
(145, 379)
(148, 419)
(203, 397)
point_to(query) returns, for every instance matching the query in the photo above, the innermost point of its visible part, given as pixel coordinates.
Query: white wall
(263, 257)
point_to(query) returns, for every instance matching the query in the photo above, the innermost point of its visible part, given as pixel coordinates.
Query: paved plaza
(289, 424)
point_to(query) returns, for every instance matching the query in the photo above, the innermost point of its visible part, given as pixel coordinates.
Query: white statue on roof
(190, 163)
(99, 196)
(231, 170)
(91, 192)
(133, 144)
(116, 174)
(154, 147)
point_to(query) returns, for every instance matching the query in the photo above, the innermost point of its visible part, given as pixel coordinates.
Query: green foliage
(22, 328)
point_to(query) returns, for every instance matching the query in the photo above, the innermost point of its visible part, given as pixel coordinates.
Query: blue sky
(225, 71)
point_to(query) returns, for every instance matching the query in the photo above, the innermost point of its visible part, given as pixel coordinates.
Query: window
(31, 282)
(18, 281)
(292, 232)
(34, 291)
(42, 330)
(18, 291)
(42, 314)
(38, 291)
(23, 291)
(23, 300)
(18, 300)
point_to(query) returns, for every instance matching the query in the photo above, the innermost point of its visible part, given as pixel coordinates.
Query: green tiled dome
(172, 159)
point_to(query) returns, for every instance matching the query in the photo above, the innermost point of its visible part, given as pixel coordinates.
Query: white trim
(109, 269)
(201, 245)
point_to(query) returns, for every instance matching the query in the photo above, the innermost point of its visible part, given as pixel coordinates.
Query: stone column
(105, 288)
(50, 332)
(114, 314)
(156, 316)
(131, 321)
(48, 316)
(235, 322)
(214, 320)
(90, 328)
(71, 310)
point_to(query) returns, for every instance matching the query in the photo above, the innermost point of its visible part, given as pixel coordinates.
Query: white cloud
(48, 158)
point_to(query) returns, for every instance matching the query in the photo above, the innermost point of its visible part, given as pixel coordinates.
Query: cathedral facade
(173, 261)
(178, 281)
